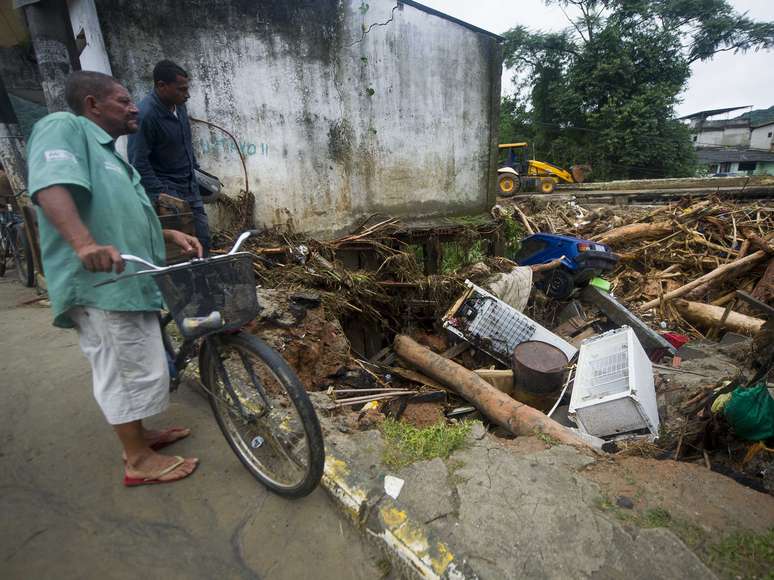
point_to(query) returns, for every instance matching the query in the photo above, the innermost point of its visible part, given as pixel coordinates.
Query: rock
(733, 338)
(624, 502)
(369, 418)
(691, 353)
(478, 431)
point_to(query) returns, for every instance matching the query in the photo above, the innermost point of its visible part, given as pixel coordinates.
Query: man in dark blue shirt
(161, 150)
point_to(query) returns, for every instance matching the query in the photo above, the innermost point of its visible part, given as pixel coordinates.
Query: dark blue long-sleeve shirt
(161, 151)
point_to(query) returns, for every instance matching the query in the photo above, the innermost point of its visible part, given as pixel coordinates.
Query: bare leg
(141, 460)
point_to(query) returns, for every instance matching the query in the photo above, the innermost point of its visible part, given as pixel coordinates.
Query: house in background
(733, 146)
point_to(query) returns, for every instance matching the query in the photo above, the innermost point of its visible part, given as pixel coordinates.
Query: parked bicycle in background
(14, 247)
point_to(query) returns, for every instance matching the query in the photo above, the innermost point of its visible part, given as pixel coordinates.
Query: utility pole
(49, 25)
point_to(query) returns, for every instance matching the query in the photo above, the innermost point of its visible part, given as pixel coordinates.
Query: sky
(728, 80)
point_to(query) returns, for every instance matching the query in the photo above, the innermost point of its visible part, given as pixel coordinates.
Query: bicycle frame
(210, 343)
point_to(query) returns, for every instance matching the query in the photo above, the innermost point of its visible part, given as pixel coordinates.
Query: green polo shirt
(76, 153)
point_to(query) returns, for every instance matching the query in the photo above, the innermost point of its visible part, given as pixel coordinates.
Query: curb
(409, 545)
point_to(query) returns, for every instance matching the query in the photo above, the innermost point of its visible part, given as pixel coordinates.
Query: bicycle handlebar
(154, 269)
(242, 237)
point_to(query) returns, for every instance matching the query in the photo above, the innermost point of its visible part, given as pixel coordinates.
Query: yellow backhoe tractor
(519, 173)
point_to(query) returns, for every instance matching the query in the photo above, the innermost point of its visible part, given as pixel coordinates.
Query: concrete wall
(20, 71)
(342, 108)
(709, 138)
(736, 137)
(762, 137)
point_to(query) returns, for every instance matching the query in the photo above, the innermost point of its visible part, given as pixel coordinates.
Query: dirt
(422, 414)
(713, 502)
(369, 419)
(313, 346)
(435, 342)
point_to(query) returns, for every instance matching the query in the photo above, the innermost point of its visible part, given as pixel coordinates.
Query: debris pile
(474, 341)
(681, 263)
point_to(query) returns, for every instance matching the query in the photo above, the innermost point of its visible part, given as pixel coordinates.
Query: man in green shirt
(91, 208)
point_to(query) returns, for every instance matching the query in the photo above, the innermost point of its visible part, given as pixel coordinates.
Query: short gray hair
(82, 83)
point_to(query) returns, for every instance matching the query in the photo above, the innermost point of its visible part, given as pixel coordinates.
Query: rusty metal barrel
(538, 370)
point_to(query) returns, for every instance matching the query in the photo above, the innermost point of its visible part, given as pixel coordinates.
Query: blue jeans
(201, 222)
(202, 226)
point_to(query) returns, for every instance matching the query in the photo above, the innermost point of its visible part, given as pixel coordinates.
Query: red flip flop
(136, 481)
(166, 432)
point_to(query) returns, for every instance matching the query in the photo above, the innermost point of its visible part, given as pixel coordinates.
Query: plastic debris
(393, 485)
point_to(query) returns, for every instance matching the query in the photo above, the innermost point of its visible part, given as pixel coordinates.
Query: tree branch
(574, 25)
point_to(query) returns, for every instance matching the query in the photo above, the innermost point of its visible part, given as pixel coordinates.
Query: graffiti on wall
(224, 144)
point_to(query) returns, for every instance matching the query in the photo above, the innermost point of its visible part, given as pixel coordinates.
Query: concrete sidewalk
(65, 513)
(490, 512)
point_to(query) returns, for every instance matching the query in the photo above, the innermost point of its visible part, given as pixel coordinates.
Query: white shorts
(128, 362)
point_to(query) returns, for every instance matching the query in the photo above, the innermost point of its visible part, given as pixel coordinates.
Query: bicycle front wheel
(264, 413)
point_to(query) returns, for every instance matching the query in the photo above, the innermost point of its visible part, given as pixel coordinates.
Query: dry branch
(637, 231)
(720, 271)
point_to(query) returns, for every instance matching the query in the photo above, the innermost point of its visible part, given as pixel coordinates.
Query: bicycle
(14, 243)
(258, 401)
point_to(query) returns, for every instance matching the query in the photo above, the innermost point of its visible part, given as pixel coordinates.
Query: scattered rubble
(676, 287)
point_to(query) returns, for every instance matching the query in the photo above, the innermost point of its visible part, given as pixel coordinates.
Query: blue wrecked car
(583, 260)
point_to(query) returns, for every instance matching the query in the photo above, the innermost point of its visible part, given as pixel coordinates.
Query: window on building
(747, 165)
(696, 137)
(769, 135)
(724, 168)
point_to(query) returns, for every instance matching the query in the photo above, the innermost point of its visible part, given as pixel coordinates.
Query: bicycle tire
(4, 251)
(22, 255)
(257, 458)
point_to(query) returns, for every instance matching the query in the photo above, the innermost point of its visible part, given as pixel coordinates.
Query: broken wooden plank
(416, 377)
(455, 350)
(502, 380)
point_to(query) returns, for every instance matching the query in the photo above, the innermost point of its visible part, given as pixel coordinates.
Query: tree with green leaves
(604, 90)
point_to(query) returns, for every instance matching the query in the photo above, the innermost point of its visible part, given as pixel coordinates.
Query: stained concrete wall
(342, 108)
(761, 137)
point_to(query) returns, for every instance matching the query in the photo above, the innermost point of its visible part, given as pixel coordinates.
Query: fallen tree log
(516, 417)
(637, 231)
(708, 316)
(719, 272)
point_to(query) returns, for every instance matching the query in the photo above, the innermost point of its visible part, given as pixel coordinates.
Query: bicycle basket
(225, 284)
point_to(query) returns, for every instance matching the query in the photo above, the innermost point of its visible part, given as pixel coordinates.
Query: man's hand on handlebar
(189, 244)
(96, 258)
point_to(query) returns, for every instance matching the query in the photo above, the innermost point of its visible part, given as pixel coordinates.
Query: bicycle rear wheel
(5, 251)
(271, 426)
(22, 255)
